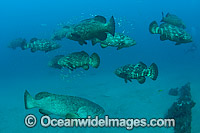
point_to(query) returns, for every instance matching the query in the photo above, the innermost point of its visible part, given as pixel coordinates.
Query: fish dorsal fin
(141, 80)
(42, 95)
(142, 64)
(44, 112)
(168, 14)
(100, 19)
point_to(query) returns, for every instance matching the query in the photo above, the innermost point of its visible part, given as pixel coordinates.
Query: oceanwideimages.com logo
(129, 124)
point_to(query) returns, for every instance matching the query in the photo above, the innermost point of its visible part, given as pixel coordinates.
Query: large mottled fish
(170, 32)
(137, 71)
(89, 29)
(77, 60)
(173, 19)
(35, 44)
(119, 40)
(62, 105)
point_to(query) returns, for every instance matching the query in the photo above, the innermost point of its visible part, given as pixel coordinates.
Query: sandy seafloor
(130, 100)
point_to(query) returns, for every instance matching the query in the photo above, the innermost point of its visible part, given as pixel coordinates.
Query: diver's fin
(111, 26)
(85, 67)
(95, 60)
(70, 116)
(103, 45)
(100, 19)
(29, 101)
(141, 80)
(33, 50)
(153, 71)
(102, 36)
(44, 112)
(142, 64)
(42, 95)
(162, 38)
(178, 43)
(153, 27)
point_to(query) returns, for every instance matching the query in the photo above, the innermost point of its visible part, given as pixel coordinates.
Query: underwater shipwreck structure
(181, 110)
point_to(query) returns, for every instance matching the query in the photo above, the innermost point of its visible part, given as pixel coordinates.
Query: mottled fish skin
(75, 60)
(137, 71)
(89, 29)
(42, 45)
(119, 40)
(173, 33)
(170, 32)
(63, 105)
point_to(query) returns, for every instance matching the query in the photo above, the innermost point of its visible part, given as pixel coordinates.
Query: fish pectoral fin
(162, 38)
(86, 67)
(71, 115)
(94, 41)
(100, 19)
(104, 45)
(83, 112)
(178, 43)
(33, 50)
(126, 81)
(44, 112)
(102, 36)
(75, 35)
(118, 48)
(141, 80)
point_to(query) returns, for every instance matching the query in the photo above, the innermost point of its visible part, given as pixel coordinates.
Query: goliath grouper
(34, 44)
(89, 29)
(76, 60)
(138, 71)
(119, 40)
(173, 19)
(170, 32)
(62, 105)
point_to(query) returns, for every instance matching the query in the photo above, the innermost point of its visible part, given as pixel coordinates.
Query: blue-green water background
(20, 70)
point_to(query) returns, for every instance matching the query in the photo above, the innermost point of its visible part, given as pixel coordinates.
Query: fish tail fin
(154, 28)
(153, 71)
(29, 101)
(95, 60)
(111, 26)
